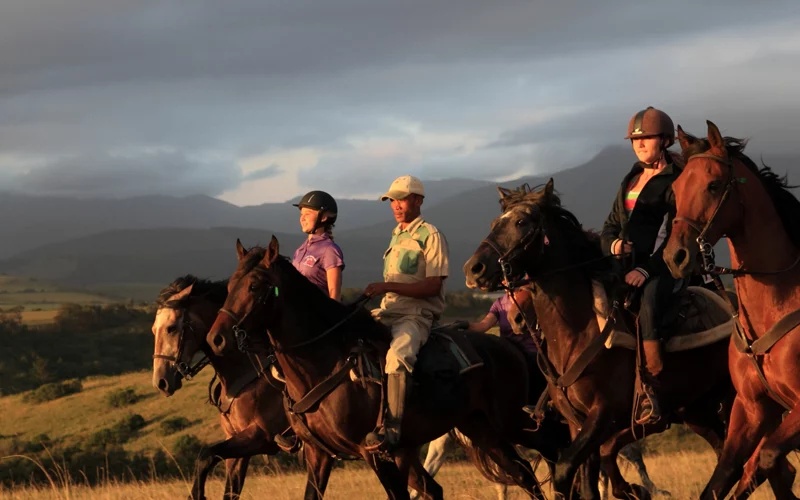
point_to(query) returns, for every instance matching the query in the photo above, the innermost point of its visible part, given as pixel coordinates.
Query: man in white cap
(414, 269)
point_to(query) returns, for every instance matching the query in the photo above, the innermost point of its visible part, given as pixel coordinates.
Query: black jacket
(654, 208)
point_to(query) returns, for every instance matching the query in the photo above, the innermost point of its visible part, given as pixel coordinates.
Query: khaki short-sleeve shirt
(415, 253)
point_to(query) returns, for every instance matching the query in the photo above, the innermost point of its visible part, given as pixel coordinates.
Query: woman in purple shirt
(320, 259)
(498, 315)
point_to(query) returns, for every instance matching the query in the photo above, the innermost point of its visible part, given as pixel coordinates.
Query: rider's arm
(334, 275)
(611, 229)
(429, 287)
(483, 325)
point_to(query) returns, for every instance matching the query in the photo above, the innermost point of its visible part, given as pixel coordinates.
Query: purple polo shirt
(315, 256)
(500, 311)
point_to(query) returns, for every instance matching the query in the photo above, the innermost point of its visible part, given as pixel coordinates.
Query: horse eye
(171, 329)
(520, 222)
(714, 187)
(253, 287)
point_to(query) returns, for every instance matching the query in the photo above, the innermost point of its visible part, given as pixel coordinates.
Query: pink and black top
(315, 256)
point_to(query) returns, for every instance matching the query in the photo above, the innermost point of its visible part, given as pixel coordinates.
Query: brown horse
(721, 192)
(592, 386)
(318, 342)
(186, 309)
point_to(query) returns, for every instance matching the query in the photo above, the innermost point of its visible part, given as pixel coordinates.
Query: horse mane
(786, 204)
(216, 291)
(582, 245)
(323, 306)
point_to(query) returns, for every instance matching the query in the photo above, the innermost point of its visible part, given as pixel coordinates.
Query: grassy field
(41, 300)
(73, 418)
(682, 474)
(677, 462)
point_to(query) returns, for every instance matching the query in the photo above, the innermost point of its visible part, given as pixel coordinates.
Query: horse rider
(638, 227)
(320, 259)
(415, 267)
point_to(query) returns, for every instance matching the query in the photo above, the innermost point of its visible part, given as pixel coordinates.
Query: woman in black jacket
(638, 226)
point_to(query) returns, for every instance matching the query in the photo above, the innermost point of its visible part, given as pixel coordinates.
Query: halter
(186, 370)
(239, 333)
(706, 249)
(506, 258)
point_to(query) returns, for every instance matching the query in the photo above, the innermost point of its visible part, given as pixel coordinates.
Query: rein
(706, 249)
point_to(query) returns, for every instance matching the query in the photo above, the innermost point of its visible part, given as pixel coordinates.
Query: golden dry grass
(683, 474)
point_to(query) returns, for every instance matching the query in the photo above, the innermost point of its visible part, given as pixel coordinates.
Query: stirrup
(288, 444)
(647, 410)
(375, 441)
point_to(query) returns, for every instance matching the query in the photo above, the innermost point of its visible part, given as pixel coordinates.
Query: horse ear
(240, 250)
(715, 138)
(549, 188)
(685, 139)
(183, 293)
(273, 252)
(504, 193)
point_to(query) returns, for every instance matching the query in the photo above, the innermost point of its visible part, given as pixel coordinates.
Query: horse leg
(251, 441)
(588, 487)
(632, 453)
(503, 454)
(768, 457)
(749, 422)
(395, 485)
(437, 450)
(593, 433)
(318, 471)
(753, 477)
(609, 451)
(236, 472)
(418, 478)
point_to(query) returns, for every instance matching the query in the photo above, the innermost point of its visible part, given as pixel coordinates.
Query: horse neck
(564, 308)
(305, 367)
(761, 243)
(228, 367)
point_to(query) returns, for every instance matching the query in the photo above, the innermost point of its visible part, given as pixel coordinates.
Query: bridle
(706, 248)
(186, 370)
(521, 247)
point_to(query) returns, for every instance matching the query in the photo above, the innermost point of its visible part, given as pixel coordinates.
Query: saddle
(446, 354)
(223, 396)
(697, 317)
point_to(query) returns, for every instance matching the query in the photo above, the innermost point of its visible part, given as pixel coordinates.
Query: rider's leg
(408, 334)
(655, 300)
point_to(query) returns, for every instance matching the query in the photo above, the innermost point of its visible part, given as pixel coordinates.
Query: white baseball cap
(402, 187)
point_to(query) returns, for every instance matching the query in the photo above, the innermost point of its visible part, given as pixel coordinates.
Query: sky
(255, 102)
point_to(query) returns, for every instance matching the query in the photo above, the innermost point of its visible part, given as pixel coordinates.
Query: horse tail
(481, 460)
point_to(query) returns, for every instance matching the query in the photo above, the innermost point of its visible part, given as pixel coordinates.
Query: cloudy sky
(259, 101)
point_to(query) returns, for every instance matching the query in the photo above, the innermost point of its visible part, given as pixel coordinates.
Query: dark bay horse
(317, 340)
(186, 310)
(537, 236)
(722, 192)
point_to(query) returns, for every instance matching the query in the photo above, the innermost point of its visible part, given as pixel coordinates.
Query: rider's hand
(620, 247)
(635, 278)
(375, 289)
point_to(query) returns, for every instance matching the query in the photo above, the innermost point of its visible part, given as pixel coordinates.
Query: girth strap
(319, 391)
(595, 347)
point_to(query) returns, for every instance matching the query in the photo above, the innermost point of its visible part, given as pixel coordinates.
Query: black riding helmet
(323, 203)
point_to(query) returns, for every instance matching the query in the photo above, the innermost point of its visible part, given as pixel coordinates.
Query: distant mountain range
(154, 239)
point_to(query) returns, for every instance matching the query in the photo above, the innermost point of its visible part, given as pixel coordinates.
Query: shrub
(118, 434)
(186, 450)
(173, 425)
(49, 392)
(119, 398)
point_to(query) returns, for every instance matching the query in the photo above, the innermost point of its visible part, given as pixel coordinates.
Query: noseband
(185, 369)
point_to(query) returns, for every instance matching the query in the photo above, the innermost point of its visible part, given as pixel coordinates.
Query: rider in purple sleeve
(320, 259)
